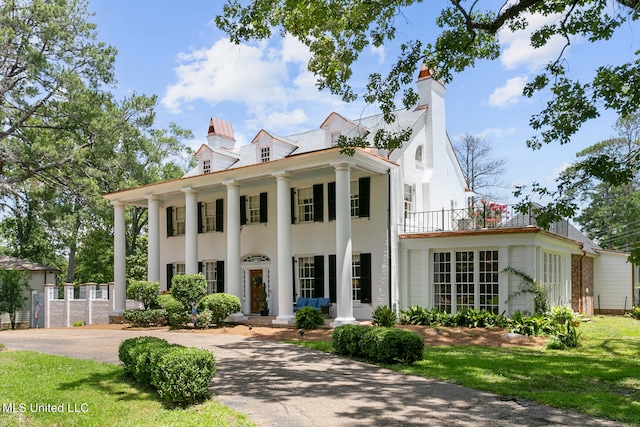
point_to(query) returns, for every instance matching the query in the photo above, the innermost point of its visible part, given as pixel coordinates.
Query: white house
(40, 275)
(376, 228)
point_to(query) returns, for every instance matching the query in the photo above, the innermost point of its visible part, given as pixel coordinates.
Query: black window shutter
(293, 276)
(169, 275)
(263, 207)
(200, 228)
(364, 191)
(200, 267)
(293, 206)
(318, 276)
(318, 203)
(219, 214)
(169, 221)
(365, 277)
(243, 210)
(332, 278)
(220, 276)
(331, 195)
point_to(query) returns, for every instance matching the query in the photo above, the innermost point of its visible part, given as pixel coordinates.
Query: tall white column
(153, 240)
(232, 273)
(343, 246)
(191, 231)
(119, 257)
(285, 280)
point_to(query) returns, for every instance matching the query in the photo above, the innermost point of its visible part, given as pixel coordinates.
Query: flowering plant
(489, 214)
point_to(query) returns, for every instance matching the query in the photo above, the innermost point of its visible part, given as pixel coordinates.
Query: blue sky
(173, 50)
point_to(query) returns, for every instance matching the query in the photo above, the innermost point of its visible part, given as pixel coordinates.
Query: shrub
(389, 345)
(131, 348)
(566, 336)
(177, 314)
(561, 314)
(204, 319)
(634, 313)
(188, 289)
(145, 318)
(309, 318)
(532, 325)
(182, 375)
(220, 305)
(144, 292)
(383, 316)
(346, 340)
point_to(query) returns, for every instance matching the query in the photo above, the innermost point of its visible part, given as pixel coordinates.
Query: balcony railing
(484, 216)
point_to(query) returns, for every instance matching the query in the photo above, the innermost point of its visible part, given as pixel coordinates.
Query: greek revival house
(376, 228)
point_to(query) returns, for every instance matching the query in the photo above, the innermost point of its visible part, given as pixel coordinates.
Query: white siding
(613, 281)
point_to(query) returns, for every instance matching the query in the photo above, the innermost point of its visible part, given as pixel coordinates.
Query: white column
(285, 281)
(153, 241)
(343, 246)
(191, 231)
(119, 258)
(232, 273)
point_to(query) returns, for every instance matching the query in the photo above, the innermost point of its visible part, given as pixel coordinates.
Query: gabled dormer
(220, 134)
(212, 159)
(272, 147)
(336, 125)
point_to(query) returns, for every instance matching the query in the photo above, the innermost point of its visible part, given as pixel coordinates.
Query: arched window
(419, 154)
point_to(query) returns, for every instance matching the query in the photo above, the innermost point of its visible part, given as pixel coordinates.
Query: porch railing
(485, 216)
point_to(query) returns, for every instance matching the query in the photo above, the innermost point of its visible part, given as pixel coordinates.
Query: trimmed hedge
(378, 344)
(346, 340)
(181, 375)
(144, 318)
(389, 345)
(177, 314)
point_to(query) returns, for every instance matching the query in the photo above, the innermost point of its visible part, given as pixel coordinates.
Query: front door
(255, 278)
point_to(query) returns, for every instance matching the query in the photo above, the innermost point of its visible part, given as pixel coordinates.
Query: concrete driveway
(279, 384)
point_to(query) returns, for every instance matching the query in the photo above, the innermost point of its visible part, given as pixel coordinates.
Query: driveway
(279, 384)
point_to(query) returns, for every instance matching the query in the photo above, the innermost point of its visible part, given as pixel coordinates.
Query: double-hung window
(253, 209)
(306, 275)
(211, 276)
(552, 277)
(179, 221)
(208, 216)
(305, 204)
(409, 196)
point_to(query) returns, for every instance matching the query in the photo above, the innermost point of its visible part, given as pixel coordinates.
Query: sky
(173, 50)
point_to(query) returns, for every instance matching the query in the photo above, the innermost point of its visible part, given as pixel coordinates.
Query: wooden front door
(255, 279)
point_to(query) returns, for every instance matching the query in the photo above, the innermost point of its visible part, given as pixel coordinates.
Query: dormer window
(265, 154)
(206, 166)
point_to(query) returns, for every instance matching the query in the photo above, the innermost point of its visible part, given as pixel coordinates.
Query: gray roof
(12, 263)
(588, 245)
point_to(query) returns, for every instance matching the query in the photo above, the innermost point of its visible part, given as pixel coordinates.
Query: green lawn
(600, 378)
(91, 394)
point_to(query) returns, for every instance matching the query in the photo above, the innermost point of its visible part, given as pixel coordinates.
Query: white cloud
(509, 94)
(378, 52)
(268, 79)
(517, 50)
(557, 171)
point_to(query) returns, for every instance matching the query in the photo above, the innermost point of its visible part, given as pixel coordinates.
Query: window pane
(305, 276)
(442, 281)
(305, 204)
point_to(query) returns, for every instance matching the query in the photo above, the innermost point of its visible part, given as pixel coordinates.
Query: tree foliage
(65, 139)
(13, 285)
(337, 32)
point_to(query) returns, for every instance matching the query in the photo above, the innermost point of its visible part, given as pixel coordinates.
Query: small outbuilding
(30, 316)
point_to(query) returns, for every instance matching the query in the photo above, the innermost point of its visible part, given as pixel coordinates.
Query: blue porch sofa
(321, 304)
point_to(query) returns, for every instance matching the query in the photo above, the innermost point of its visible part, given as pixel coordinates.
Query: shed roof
(12, 263)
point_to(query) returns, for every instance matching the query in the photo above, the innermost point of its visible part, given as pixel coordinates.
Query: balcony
(483, 216)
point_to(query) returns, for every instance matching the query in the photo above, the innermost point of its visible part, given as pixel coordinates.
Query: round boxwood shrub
(221, 306)
(188, 288)
(389, 345)
(182, 375)
(309, 318)
(346, 340)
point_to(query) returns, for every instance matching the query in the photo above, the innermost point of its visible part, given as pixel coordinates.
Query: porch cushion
(313, 302)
